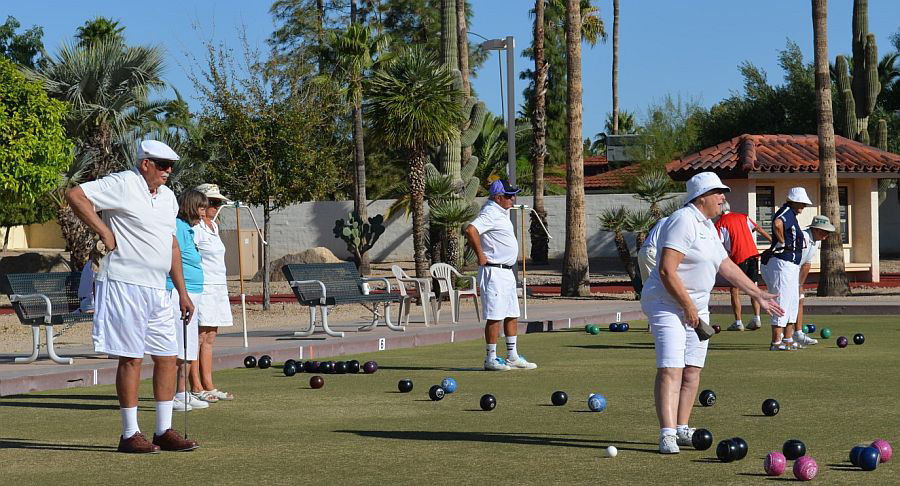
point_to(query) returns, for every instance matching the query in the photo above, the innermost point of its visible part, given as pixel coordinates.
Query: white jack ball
(611, 451)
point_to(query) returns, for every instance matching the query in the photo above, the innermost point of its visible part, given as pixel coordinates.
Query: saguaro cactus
(859, 93)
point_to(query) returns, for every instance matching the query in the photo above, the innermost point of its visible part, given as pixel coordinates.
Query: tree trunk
(359, 176)
(462, 42)
(832, 278)
(79, 237)
(353, 9)
(615, 69)
(320, 34)
(6, 229)
(576, 276)
(417, 198)
(267, 256)
(624, 254)
(539, 241)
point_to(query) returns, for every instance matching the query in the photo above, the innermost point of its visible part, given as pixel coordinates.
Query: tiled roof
(613, 179)
(595, 160)
(735, 158)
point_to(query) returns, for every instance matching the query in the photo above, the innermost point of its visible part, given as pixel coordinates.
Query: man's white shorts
(133, 320)
(192, 343)
(677, 345)
(498, 293)
(783, 278)
(213, 306)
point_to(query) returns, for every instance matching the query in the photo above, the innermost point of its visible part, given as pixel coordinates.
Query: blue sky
(690, 48)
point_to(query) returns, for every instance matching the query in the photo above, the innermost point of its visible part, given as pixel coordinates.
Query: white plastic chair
(424, 295)
(445, 274)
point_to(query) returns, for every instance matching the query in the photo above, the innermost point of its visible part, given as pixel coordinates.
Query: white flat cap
(154, 149)
(798, 195)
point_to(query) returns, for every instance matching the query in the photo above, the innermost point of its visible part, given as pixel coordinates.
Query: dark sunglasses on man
(163, 164)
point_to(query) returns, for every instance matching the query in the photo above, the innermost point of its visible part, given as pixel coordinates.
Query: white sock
(129, 421)
(665, 431)
(739, 322)
(163, 417)
(511, 353)
(682, 428)
(756, 318)
(491, 352)
(182, 395)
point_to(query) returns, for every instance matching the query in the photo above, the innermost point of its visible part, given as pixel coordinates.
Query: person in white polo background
(781, 270)
(493, 238)
(648, 251)
(676, 298)
(133, 314)
(820, 228)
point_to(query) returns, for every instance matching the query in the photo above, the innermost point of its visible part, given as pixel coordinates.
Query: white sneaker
(195, 402)
(754, 325)
(521, 363)
(496, 364)
(737, 326)
(683, 437)
(668, 444)
(777, 347)
(180, 406)
(804, 340)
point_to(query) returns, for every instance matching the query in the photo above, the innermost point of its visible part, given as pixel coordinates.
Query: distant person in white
(214, 308)
(820, 228)
(676, 297)
(492, 237)
(647, 253)
(133, 314)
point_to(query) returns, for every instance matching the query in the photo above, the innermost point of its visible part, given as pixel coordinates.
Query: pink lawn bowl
(775, 463)
(884, 447)
(805, 468)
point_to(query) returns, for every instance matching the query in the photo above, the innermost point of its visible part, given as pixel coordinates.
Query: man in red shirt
(736, 231)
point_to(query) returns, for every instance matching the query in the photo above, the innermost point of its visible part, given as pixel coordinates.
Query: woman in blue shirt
(190, 204)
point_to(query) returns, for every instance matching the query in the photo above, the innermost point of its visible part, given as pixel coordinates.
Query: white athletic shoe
(496, 364)
(180, 406)
(804, 340)
(777, 347)
(754, 325)
(195, 402)
(683, 437)
(737, 326)
(521, 363)
(668, 444)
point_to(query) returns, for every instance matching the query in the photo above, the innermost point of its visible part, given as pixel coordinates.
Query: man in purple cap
(492, 237)
(133, 313)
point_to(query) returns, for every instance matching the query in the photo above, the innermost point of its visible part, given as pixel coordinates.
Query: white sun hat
(211, 191)
(823, 223)
(798, 195)
(702, 183)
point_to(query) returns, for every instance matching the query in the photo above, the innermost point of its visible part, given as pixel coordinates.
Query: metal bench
(46, 299)
(319, 285)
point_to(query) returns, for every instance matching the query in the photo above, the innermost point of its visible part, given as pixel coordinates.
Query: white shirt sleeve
(107, 192)
(726, 239)
(679, 234)
(484, 222)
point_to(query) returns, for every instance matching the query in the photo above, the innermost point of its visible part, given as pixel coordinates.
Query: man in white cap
(133, 315)
(782, 270)
(820, 228)
(492, 237)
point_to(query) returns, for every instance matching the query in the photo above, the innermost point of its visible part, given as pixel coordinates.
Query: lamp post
(508, 44)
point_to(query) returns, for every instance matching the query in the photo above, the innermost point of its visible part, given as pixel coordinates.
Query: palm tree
(100, 29)
(615, 69)
(653, 187)
(540, 243)
(107, 85)
(356, 52)
(412, 104)
(832, 278)
(576, 276)
(616, 222)
(640, 223)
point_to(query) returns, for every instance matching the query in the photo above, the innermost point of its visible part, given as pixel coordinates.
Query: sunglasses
(163, 164)
(216, 203)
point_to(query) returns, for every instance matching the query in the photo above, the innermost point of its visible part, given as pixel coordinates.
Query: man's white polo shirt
(498, 238)
(812, 247)
(690, 233)
(143, 224)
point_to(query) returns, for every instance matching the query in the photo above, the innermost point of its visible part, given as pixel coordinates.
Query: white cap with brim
(798, 195)
(822, 223)
(154, 149)
(702, 183)
(211, 191)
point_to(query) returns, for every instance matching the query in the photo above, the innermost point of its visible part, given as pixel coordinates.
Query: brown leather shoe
(171, 441)
(137, 444)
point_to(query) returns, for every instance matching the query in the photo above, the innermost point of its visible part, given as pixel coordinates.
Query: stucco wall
(889, 223)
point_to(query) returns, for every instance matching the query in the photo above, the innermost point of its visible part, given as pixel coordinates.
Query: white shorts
(133, 320)
(498, 293)
(193, 345)
(677, 345)
(213, 306)
(783, 278)
(646, 262)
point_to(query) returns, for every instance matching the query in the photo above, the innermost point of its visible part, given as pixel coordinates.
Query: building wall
(47, 235)
(889, 222)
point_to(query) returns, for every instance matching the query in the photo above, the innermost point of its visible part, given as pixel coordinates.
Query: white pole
(511, 108)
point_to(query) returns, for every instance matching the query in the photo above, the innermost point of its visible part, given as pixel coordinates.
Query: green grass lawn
(359, 430)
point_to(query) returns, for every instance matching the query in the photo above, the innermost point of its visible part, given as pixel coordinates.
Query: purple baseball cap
(501, 186)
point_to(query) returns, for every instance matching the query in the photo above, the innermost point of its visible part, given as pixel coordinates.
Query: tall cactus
(859, 94)
(473, 110)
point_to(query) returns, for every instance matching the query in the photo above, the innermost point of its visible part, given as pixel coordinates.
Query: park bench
(319, 285)
(46, 299)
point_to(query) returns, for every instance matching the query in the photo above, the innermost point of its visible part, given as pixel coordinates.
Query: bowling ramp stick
(184, 339)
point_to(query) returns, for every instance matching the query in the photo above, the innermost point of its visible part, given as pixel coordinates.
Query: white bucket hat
(702, 183)
(211, 191)
(798, 195)
(823, 223)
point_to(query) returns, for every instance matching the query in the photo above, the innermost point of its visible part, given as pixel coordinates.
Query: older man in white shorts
(133, 314)
(492, 237)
